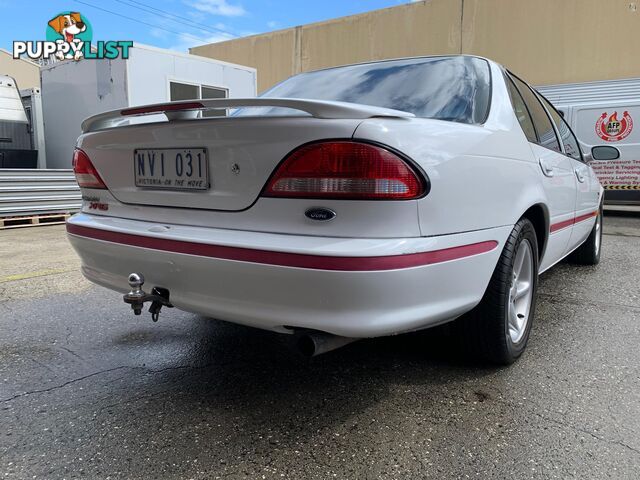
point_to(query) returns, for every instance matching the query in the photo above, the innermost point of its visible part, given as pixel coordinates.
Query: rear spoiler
(187, 110)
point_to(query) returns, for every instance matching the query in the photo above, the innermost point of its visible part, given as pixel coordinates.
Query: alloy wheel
(521, 292)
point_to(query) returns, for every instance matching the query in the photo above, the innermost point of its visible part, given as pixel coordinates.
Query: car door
(587, 185)
(555, 170)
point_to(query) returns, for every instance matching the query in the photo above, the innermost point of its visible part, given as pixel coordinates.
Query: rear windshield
(446, 88)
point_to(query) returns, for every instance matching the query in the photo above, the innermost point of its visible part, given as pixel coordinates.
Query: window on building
(183, 91)
(187, 91)
(213, 92)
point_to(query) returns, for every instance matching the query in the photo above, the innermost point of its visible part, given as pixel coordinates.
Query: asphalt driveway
(87, 390)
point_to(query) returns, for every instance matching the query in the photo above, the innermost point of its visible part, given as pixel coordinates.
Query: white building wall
(149, 71)
(73, 91)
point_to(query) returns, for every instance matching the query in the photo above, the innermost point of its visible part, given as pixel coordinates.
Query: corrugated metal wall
(26, 192)
(592, 92)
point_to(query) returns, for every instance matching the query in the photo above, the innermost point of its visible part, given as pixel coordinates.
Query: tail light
(345, 169)
(86, 174)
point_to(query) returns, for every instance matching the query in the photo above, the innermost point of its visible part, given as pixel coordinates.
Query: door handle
(547, 169)
(580, 175)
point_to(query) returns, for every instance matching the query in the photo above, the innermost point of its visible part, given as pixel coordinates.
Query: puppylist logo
(69, 36)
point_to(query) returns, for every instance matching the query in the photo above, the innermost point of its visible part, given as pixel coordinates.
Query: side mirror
(605, 152)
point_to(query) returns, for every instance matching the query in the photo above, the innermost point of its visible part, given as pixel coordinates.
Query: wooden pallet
(33, 221)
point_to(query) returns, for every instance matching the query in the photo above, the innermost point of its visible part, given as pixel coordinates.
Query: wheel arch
(538, 215)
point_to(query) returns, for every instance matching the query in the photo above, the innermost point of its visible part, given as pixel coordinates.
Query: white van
(604, 113)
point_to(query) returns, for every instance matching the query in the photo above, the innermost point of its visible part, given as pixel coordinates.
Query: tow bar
(159, 297)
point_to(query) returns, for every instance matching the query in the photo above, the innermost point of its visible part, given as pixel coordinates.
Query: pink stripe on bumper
(318, 262)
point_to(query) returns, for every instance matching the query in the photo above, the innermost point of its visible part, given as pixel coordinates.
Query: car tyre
(497, 330)
(589, 252)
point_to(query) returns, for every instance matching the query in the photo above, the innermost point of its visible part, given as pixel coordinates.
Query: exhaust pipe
(312, 343)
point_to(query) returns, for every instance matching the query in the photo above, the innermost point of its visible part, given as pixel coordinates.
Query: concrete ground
(89, 391)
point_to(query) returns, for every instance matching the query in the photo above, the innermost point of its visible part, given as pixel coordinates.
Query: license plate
(171, 168)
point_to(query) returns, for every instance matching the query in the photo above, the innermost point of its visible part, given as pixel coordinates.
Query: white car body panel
(483, 178)
(348, 303)
(278, 215)
(256, 155)
(560, 195)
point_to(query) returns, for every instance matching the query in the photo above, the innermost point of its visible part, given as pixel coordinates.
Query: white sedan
(358, 201)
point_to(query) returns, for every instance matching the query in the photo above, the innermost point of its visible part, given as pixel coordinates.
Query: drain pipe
(312, 343)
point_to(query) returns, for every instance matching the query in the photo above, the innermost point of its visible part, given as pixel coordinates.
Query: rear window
(445, 88)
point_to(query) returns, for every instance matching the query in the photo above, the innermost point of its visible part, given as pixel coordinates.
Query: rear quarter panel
(481, 177)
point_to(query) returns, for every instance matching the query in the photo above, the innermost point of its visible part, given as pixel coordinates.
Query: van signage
(612, 129)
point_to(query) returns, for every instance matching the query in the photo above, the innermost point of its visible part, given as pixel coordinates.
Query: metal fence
(27, 192)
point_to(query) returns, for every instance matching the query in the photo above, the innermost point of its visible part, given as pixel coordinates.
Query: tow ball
(159, 297)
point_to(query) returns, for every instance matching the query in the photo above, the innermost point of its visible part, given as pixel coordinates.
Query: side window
(213, 92)
(188, 91)
(183, 91)
(546, 134)
(571, 145)
(569, 142)
(521, 112)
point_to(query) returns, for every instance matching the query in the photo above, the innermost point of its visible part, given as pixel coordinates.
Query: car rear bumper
(349, 287)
